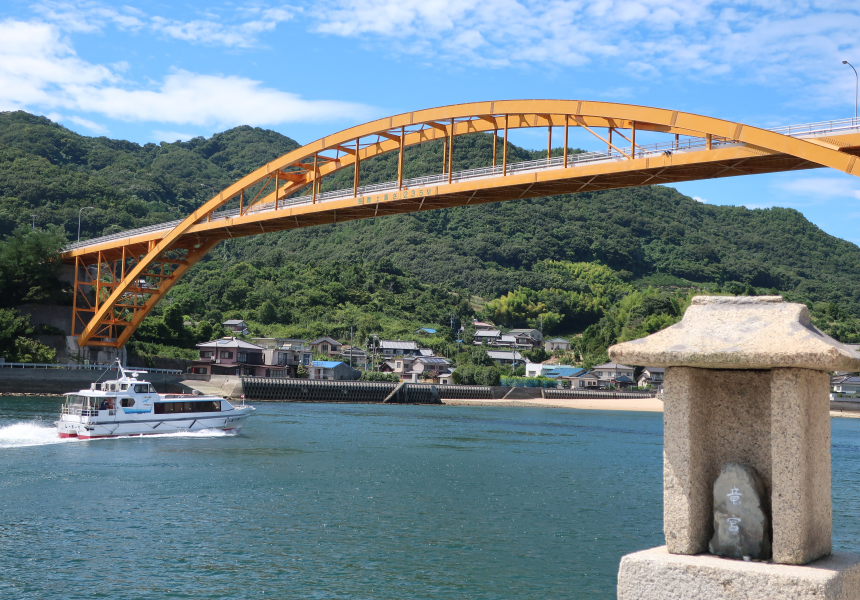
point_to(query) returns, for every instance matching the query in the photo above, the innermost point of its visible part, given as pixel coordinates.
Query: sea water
(345, 501)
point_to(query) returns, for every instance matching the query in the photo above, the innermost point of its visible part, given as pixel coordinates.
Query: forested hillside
(568, 262)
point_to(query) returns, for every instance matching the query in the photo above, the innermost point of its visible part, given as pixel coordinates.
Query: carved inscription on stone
(741, 514)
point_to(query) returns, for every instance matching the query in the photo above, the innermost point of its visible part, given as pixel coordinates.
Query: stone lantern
(746, 383)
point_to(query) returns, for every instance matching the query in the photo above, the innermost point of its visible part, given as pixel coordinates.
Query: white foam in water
(19, 435)
(203, 433)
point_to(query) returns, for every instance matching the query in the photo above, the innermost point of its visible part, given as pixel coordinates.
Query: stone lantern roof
(740, 332)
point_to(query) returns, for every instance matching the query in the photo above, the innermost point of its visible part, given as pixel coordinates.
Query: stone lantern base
(657, 575)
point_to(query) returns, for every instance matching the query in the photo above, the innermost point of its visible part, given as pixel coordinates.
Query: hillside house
(652, 376)
(354, 356)
(541, 370)
(231, 356)
(585, 381)
(333, 370)
(527, 337)
(288, 353)
(236, 326)
(479, 326)
(506, 357)
(848, 385)
(556, 344)
(326, 345)
(390, 348)
(487, 336)
(427, 367)
(614, 374)
(565, 373)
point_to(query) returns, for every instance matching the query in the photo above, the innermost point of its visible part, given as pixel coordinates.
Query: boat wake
(202, 433)
(21, 435)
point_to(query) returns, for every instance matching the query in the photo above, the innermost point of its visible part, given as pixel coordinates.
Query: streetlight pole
(856, 85)
(82, 209)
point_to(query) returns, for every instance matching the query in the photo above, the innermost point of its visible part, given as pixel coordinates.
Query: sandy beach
(636, 404)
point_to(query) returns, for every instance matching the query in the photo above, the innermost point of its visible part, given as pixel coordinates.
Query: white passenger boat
(128, 406)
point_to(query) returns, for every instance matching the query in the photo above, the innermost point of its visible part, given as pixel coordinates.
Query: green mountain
(395, 273)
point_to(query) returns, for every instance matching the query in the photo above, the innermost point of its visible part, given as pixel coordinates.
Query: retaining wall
(307, 390)
(559, 394)
(61, 381)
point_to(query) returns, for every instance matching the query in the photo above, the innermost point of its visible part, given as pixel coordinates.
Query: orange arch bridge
(120, 277)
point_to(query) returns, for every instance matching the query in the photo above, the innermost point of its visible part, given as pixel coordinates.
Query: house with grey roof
(487, 336)
(398, 348)
(427, 367)
(506, 357)
(333, 370)
(236, 326)
(527, 337)
(652, 377)
(232, 356)
(556, 344)
(609, 374)
(587, 380)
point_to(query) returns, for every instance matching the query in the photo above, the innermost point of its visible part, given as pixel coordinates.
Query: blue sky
(158, 71)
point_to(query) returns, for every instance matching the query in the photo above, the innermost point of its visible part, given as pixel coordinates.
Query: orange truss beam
(131, 274)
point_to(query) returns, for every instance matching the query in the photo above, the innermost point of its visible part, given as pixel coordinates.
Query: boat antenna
(103, 374)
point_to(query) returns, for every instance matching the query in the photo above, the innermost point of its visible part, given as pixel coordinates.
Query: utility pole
(34, 222)
(350, 346)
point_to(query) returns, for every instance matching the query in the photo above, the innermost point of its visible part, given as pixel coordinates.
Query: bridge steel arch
(131, 272)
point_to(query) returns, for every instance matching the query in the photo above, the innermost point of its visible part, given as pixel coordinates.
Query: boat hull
(92, 428)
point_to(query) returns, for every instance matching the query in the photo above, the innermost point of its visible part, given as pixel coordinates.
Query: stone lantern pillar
(746, 382)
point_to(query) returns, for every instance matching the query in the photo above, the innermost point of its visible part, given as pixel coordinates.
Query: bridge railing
(78, 367)
(686, 144)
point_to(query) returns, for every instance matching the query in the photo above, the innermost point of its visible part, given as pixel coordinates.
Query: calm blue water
(345, 501)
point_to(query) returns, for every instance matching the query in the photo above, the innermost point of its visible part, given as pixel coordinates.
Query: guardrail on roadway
(77, 367)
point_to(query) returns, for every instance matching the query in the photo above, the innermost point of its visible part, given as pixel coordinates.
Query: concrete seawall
(61, 381)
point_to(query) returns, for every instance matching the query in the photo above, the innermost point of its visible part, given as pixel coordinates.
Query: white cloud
(90, 17)
(170, 136)
(821, 188)
(39, 70)
(91, 125)
(698, 199)
(762, 40)
(194, 99)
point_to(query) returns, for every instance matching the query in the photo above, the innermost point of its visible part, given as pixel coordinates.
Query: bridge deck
(667, 162)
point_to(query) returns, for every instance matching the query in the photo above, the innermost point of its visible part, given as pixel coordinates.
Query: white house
(614, 374)
(652, 376)
(556, 344)
(506, 357)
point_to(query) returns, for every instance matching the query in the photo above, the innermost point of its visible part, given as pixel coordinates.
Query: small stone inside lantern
(741, 514)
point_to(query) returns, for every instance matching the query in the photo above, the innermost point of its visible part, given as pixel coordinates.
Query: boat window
(142, 388)
(74, 400)
(164, 408)
(127, 402)
(124, 387)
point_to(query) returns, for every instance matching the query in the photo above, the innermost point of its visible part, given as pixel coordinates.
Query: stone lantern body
(746, 382)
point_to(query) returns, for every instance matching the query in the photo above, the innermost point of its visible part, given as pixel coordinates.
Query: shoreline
(613, 404)
(625, 404)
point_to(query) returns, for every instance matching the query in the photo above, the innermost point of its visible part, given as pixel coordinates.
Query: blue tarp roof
(565, 372)
(428, 330)
(327, 364)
